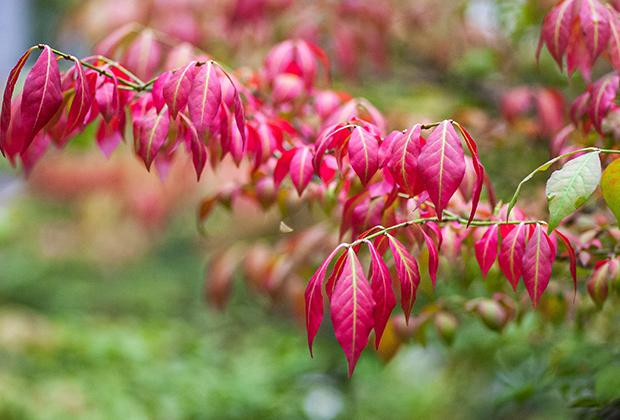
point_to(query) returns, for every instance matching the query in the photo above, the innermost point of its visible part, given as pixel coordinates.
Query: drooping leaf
(363, 152)
(352, 308)
(41, 96)
(556, 29)
(205, 97)
(603, 94)
(511, 254)
(177, 88)
(614, 40)
(594, 19)
(433, 256)
(486, 249)
(382, 292)
(314, 299)
(570, 187)
(408, 274)
(572, 259)
(107, 97)
(537, 262)
(82, 100)
(152, 131)
(478, 169)
(301, 169)
(403, 159)
(610, 186)
(158, 90)
(5, 116)
(443, 165)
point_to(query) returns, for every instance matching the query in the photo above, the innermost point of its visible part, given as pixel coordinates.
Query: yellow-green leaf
(610, 185)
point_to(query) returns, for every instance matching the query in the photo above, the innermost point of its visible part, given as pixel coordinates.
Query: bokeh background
(102, 271)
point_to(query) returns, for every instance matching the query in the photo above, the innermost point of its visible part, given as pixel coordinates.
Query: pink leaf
(486, 249)
(205, 97)
(107, 97)
(537, 262)
(177, 88)
(433, 255)
(511, 254)
(603, 94)
(82, 100)
(443, 165)
(283, 166)
(152, 131)
(314, 299)
(42, 95)
(594, 19)
(556, 29)
(143, 55)
(301, 169)
(363, 152)
(478, 168)
(572, 257)
(403, 160)
(5, 117)
(408, 274)
(352, 308)
(614, 40)
(382, 292)
(158, 90)
(110, 134)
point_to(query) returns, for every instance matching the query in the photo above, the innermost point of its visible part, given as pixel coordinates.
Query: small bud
(598, 284)
(492, 314)
(446, 325)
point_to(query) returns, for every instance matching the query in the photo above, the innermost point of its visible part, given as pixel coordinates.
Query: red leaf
(573, 259)
(537, 262)
(614, 40)
(556, 29)
(158, 90)
(42, 95)
(82, 100)
(314, 299)
(177, 88)
(205, 97)
(511, 253)
(352, 308)
(603, 94)
(197, 148)
(152, 131)
(594, 19)
(143, 55)
(478, 168)
(363, 152)
(382, 292)
(403, 160)
(408, 274)
(486, 249)
(109, 135)
(301, 169)
(107, 98)
(444, 165)
(433, 255)
(283, 166)
(5, 117)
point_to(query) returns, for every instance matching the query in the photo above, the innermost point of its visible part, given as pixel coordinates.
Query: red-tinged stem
(448, 217)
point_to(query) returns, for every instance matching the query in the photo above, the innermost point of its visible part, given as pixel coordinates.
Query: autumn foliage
(397, 193)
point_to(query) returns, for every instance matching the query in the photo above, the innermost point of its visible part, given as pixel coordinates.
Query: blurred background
(102, 271)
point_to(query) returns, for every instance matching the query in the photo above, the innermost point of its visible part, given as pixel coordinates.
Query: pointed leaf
(511, 254)
(594, 19)
(403, 160)
(537, 262)
(433, 255)
(82, 100)
(478, 169)
(570, 187)
(603, 95)
(41, 96)
(177, 88)
(152, 130)
(556, 29)
(408, 274)
(444, 165)
(5, 116)
(486, 249)
(205, 97)
(382, 292)
(314, 298)
(363, 152)
(352, 308)
(572, 258)
(301, 169)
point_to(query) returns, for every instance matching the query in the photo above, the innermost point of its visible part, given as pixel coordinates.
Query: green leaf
(570, 187)
(610, 185)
